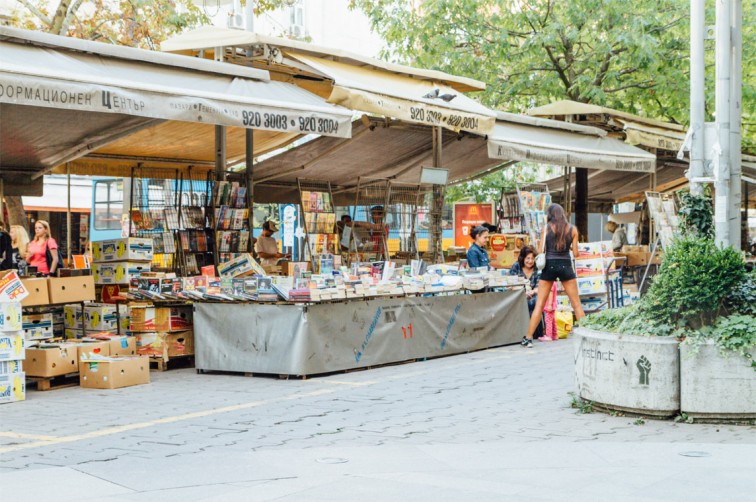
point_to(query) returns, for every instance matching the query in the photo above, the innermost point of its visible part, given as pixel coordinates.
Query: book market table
(317, 338)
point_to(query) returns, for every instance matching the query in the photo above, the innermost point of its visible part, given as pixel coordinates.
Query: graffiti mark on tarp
(407, 331)
(451, 323)
(369, 335)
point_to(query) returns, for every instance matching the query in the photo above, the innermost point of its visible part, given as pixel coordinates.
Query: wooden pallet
(57, 382)
(165, 364)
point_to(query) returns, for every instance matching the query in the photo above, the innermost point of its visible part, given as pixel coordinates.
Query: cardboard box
(10, 367)
(72, 334)
(114, 373)
(10, 316)
(73, 316)
(100, 317)
(37, 326)
(12, 346)
(131, 249)
(49, 360)
(142, 319)
(39, 293)
(165, 345)
(118, 345)
(12, 387)
(58, 315)
(118, 272)
(71, 289)
(173, 319)
(241, 265)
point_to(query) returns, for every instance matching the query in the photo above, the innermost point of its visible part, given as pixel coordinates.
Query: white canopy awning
(523, 142)
(402, 97)
(125, 83)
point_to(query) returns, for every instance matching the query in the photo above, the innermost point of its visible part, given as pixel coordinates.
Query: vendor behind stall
(619, 235)
(477, 256)
(378, 230)
(267, 247)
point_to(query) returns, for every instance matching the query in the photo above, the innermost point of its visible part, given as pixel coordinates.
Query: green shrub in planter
(701, 292)
(694, 281)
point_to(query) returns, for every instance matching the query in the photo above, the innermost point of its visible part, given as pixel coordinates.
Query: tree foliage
(631, 56)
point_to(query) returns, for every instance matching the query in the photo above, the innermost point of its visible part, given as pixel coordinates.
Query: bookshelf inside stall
(153, 213)
(319, 216)
(231, 220)
(195, 247)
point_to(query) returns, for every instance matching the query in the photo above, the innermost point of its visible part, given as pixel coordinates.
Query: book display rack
(231, 220)
(153, 213)
(319, 217)
(195, 239)
(524, 211)
(172, 211)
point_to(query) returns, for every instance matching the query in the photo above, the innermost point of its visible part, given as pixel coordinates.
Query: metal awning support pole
(697, 88)
(437, 204)
(249, 150)
(736, 77)
(723, 88)
(68, 214)
(2, 203)
(220, 153)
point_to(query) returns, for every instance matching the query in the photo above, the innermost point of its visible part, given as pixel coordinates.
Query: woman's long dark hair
(558, 225)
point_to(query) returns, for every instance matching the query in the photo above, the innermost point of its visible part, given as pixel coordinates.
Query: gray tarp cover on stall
(326, 337)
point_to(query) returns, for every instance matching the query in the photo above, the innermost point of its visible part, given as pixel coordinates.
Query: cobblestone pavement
(490, 425)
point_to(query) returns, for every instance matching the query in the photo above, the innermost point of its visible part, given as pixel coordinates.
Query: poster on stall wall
(12, 289)
(468, 215)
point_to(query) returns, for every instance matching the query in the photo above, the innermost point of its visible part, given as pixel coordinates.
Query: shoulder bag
(49, 257)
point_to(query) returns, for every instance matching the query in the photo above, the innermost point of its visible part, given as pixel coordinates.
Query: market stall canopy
(61, 98)
(545, 142)
(396, 151)
(357, 82)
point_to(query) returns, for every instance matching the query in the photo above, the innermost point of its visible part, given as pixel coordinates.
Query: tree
(631, 56)
(489, 188)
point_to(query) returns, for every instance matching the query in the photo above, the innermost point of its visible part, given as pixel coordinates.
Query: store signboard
(468, 215)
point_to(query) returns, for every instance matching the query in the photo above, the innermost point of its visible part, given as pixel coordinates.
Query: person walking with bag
(558, 238)
(40, 246)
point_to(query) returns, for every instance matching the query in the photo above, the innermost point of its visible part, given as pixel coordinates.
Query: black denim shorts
(558, 269)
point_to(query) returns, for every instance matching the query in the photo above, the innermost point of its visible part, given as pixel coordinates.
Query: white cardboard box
(131, 249)
(118, 272)
(12, 387)
(10, 316)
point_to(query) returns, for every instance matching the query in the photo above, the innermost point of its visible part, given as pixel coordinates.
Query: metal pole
(68, 215)
(220, 153)
(249, 173)
(435, 242)
(697, 90)
(736, 76)
(722, 159)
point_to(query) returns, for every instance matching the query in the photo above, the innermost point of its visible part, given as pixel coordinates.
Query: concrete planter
(628, 373)
(713, 386)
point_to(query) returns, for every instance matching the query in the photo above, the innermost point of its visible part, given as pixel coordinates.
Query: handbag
(49, 256)
(540, 261)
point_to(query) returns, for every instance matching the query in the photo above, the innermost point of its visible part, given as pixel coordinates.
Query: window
(108, 204)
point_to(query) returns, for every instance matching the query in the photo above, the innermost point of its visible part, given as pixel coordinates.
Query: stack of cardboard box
(162, 332)
(118, 261)
(12, 353)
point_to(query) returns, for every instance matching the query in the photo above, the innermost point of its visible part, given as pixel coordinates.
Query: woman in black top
(559, 237)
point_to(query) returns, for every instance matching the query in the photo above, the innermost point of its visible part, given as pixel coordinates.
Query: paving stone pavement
(490, 425)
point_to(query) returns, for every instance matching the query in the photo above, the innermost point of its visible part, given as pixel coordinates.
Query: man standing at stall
(267, 247)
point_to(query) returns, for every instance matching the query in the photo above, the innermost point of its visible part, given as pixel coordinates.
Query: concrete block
(713, 386)
(628, 373)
